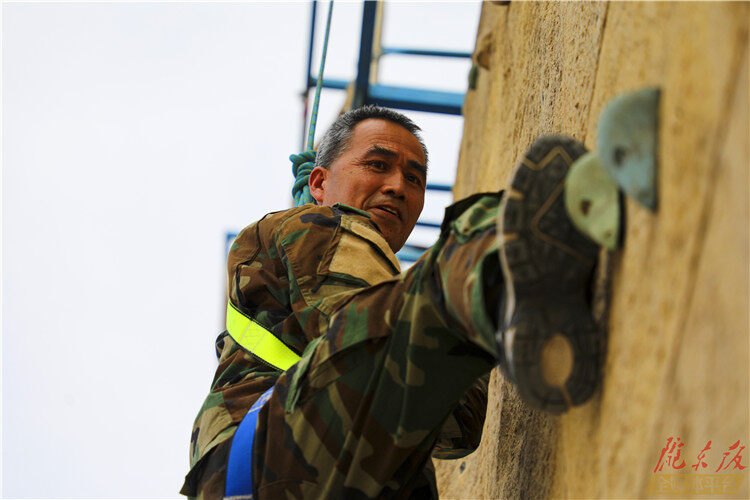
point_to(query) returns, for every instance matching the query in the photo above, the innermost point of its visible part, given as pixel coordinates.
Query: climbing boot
(551, 344)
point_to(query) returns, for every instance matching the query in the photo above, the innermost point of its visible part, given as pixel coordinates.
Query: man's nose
(395, 184)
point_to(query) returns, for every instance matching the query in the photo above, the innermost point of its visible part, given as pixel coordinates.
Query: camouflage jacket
(289, 271)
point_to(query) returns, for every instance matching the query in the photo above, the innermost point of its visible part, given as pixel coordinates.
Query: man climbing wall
(366, 372)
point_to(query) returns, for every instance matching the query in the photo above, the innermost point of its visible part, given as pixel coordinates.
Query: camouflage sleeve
(290, 270)
(328, 253)
(462, 431)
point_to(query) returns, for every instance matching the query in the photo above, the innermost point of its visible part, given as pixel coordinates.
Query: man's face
(382, 172)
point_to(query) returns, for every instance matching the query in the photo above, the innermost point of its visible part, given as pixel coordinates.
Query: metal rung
(439, 187)
(328, 83)
(424, 52)
(428, 224)
(414, 99)
(436, 101)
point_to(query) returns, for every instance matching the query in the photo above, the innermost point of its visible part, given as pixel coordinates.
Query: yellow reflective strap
(260, 342)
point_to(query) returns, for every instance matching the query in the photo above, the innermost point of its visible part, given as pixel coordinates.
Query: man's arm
(288, 272)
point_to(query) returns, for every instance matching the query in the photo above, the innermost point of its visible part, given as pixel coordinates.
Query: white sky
(134, 136)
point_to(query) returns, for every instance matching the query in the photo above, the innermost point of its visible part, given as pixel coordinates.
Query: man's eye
(414, 180)
(378, 164)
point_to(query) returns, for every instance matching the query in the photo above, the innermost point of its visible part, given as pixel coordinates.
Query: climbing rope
(303, 163)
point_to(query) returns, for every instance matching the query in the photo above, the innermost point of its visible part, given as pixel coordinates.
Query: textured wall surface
(677, 361)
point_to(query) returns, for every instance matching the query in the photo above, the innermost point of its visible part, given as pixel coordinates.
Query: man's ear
(317, 183)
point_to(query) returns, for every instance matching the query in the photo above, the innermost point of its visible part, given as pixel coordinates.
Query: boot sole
(552, 345)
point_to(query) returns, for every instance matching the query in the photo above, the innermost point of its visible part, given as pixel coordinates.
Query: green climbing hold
(593, 202)
(627, 140)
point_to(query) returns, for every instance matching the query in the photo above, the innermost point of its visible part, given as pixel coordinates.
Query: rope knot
(302, 165)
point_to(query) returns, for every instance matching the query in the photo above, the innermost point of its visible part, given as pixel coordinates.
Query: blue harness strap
(240, 465)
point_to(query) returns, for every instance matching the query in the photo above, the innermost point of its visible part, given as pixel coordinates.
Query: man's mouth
(391, 211)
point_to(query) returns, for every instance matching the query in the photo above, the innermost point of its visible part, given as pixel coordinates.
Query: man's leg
(360, 413)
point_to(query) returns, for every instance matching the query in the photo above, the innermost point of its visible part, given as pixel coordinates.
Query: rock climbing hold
(627, 141)
(593, 202)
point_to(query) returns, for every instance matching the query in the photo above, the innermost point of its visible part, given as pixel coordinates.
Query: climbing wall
(677, 360)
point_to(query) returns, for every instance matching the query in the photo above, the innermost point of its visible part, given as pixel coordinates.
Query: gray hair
(338, 136)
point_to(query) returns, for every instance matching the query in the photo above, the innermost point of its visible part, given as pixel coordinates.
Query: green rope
(303, 164)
